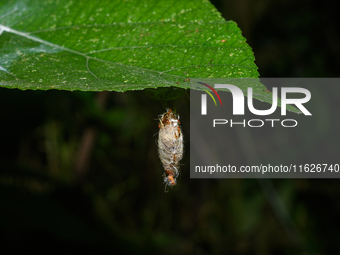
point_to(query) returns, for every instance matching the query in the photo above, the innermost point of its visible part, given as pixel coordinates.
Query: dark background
(79, 172)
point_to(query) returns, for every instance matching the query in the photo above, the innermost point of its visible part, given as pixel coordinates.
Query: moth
(170, 146)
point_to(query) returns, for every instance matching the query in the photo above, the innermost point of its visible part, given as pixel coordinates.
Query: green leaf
(118, 45)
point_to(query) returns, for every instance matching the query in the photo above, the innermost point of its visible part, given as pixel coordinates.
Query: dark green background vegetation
(79, 171)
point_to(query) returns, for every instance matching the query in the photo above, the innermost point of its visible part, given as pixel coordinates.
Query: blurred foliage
(79, 171)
